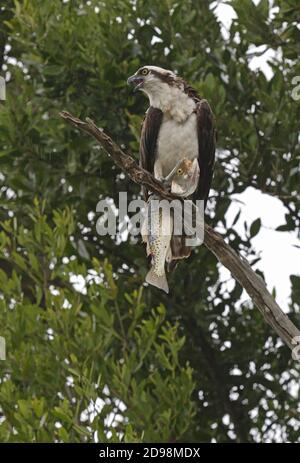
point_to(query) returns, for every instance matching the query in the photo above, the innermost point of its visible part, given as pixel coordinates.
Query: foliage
(67, 348)
(91, 353)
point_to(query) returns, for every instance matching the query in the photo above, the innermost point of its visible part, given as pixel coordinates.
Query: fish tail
(160, 281)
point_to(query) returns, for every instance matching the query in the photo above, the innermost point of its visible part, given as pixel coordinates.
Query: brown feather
(148, 143)
(207, 146)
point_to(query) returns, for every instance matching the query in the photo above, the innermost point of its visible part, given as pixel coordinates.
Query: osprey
(177, 125)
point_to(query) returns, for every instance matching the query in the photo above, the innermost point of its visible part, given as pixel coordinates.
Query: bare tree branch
(238, 266)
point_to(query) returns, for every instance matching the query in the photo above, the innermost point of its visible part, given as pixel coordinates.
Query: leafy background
(93, 353)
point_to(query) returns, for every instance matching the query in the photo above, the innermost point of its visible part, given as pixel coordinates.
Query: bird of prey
(178, 124)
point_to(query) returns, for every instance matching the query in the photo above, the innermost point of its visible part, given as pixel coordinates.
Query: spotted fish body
(158, 225)
(157, 235)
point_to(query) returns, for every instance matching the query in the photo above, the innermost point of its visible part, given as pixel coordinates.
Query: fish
(157, 233)
(157, 227)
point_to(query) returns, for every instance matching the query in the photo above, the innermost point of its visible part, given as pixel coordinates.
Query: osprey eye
(144, 72)
(179, 172)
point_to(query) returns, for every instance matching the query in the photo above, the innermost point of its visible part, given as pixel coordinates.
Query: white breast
(176, 140)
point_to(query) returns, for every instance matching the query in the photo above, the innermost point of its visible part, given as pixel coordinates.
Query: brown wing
(150, 131)
(207, 146)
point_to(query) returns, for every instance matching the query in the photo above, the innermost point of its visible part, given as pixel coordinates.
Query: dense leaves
(91, 353)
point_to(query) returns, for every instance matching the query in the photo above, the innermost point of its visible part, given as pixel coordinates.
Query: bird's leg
(158, 173)
(158, 170)
(170, 176)
(166, 181)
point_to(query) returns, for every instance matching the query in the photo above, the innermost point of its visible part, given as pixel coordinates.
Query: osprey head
(149, 79)
(166, 91)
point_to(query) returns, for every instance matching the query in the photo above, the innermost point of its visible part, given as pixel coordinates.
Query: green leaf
(255, 227)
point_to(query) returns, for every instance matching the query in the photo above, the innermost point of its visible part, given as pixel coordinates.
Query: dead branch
(237, 265)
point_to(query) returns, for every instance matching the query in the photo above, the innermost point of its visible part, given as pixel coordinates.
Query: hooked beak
(137, 81)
